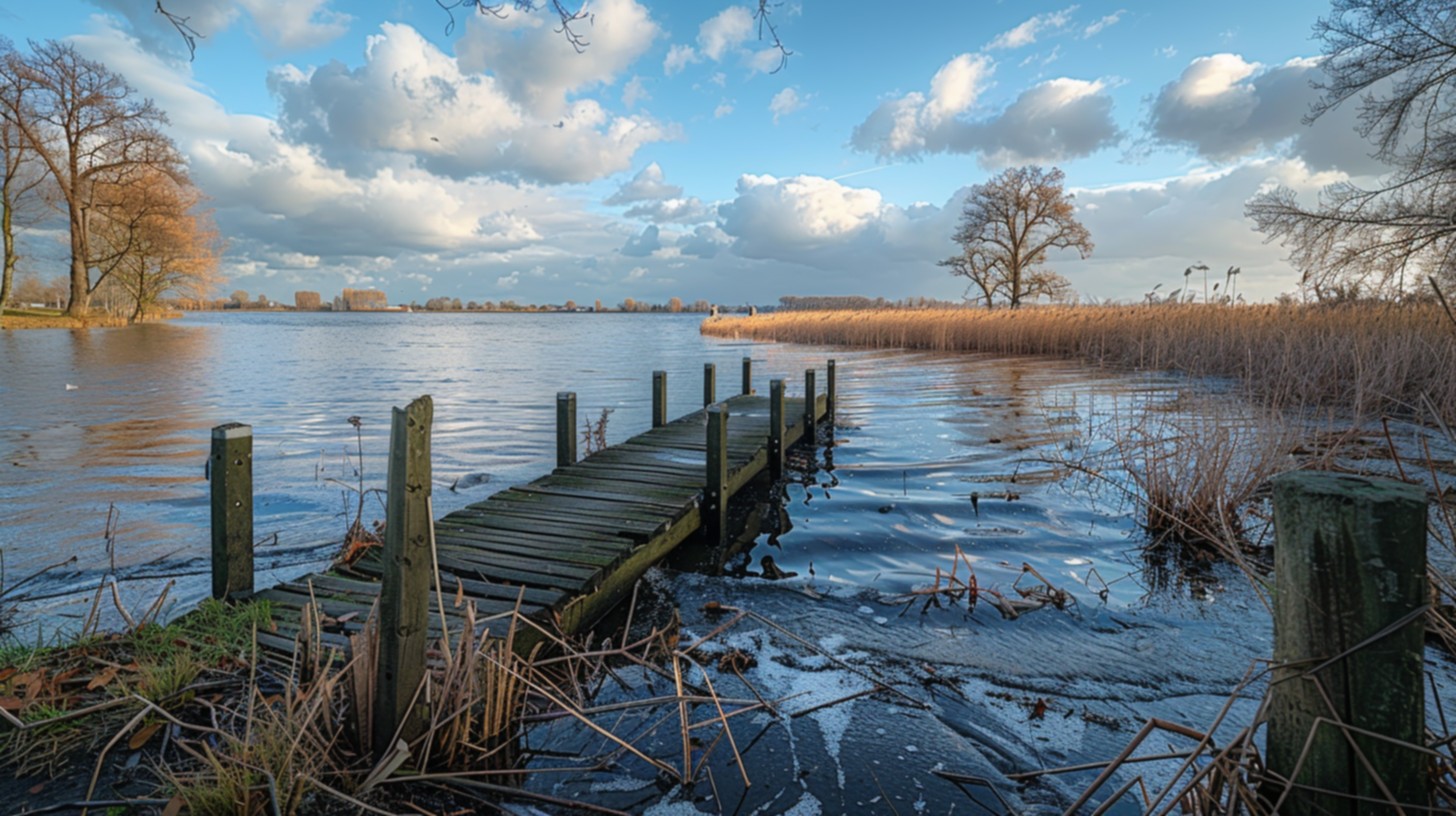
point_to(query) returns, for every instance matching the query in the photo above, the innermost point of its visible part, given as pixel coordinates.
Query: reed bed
(1362, 358)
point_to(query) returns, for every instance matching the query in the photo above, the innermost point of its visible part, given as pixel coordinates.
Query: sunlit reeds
(1361, 358)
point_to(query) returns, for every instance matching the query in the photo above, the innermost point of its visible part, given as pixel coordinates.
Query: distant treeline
(797, 303)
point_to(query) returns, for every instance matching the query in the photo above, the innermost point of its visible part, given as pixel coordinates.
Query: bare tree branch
(1398, 58)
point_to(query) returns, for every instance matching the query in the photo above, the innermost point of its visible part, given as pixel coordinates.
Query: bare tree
(1008, 227)
(91, 131)
(22, 186)
(1396, 58)
(983, 271)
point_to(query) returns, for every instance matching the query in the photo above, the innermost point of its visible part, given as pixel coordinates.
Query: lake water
(118, 421)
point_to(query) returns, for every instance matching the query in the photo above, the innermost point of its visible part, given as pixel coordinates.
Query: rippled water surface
(118, 421)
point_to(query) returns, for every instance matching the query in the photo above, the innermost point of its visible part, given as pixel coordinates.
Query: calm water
(919, 433)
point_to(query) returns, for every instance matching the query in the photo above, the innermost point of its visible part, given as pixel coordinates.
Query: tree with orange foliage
(1008, 227)
(162, 239)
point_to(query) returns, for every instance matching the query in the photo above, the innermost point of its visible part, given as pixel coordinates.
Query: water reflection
(929, 452)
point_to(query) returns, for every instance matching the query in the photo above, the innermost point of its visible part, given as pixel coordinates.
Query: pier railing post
(829, 395)
(1350, 561)
(748, 375)
(565, 428)
(710, 384)
(715, 500)
(405, 585)
(775, 428)
(811, 406)
(230, 468)
(659, 399)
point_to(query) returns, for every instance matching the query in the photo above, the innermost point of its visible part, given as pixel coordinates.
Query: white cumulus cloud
(1055, 120)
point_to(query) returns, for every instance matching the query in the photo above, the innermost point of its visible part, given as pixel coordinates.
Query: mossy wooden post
(829, 395)
(565, 428)
(1350, 560)
(775, 428)
(659, 399)
(710, 384)
(231, 470)
(748, 375)
(715, 503)
(405, 585)
(811, 406)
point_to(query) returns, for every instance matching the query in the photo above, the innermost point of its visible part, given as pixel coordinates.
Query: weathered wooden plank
(606, 508)
(567, 552)
(569, 523)
(640, 500)
(500, 519)
(528, 570)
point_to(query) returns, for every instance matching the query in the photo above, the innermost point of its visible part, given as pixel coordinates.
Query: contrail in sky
(875, 169)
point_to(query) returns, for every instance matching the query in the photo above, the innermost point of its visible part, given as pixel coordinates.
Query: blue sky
(361, 144)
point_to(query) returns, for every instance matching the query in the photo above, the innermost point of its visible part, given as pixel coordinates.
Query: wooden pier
(566, 547)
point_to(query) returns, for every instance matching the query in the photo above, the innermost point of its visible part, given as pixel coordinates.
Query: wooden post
(659, 399)
(710, 384)
(565, 428)
(775, 428)
(1350, 561)
(811, 404)
(748, 375)
(405, 585)
(231, 470)
(829, 395)
(715, 503)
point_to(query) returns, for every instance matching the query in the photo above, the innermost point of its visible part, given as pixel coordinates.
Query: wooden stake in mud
(748, 375)
(230, 467)
(811, 407)
(659, 399)
(405, 587)
(775, 428)
(710, 384)
(1350, 561)
(715, 503)
(565, 428)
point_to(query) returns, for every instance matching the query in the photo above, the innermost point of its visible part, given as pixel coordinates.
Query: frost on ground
(972, 695)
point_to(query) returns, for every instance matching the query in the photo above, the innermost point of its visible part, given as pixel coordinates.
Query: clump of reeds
(1363, 358)
(594, 434)
(1196, 476)
(1205, 778)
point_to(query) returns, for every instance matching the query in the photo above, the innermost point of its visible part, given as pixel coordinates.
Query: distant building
(307, 301)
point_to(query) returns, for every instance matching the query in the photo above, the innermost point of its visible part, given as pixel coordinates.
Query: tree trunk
(7, 277)
(80, 278)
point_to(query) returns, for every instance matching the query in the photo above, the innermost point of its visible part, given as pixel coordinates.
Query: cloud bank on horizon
(363, 144)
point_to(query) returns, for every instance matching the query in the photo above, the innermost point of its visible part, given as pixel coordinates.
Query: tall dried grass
(1362, 358)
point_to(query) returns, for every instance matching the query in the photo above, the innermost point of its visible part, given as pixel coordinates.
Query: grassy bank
(58, 319)
(1366, 359)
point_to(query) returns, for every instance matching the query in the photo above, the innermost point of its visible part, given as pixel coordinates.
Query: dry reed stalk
(1364, 358)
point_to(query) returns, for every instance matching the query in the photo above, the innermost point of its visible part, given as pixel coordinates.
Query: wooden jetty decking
(568, 546)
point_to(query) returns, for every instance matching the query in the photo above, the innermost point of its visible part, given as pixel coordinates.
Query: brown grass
(56, 319)
(1362, 358)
